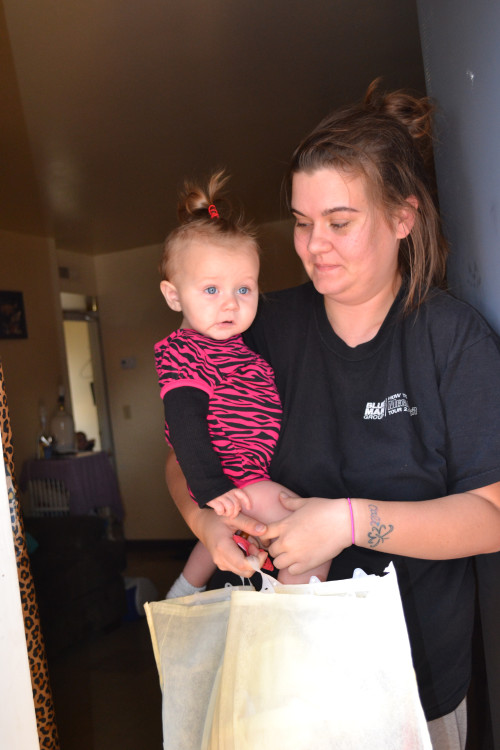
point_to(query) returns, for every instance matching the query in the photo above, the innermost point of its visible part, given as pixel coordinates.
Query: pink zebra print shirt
(244, 413)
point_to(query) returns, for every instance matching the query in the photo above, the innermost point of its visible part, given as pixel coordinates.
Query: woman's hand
(216, 533)
(317, 530)
(218, 539)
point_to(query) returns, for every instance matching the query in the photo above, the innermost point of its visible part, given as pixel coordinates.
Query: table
(89, 479)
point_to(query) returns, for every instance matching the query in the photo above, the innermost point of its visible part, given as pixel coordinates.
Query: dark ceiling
(109, 104)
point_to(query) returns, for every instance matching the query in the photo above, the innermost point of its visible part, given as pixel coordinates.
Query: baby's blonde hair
(205, 213)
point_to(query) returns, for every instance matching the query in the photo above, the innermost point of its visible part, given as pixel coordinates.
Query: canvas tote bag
(188, 636)
(320, 665)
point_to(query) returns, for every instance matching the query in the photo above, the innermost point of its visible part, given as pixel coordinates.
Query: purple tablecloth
(89, 478)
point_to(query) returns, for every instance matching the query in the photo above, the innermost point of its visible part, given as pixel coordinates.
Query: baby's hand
(226, 505)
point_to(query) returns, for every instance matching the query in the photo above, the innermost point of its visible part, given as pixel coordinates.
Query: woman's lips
(323, 267)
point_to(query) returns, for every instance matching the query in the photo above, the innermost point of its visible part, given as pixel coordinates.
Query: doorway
(87, 381)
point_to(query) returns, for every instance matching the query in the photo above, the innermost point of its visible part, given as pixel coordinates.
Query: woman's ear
(171, 296)
(406, 217)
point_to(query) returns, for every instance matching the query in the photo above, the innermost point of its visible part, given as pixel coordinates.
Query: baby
(222, 408)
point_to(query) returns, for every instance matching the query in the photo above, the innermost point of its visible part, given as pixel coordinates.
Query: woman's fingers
(249, 525)
(317, 531)
(228, 556)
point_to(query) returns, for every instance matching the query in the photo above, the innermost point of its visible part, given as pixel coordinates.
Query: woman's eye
(340, 225)
(243, 290)
(211, 290)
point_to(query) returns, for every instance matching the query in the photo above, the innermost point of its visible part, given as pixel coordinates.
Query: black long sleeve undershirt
(186, 410)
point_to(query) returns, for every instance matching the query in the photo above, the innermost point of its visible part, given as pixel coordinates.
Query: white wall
(81, 273)
(133, 316)
(461, 50)
(33, 367)
(81, 379)
(17, 713)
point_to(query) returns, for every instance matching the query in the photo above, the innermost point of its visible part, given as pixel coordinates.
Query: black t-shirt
(412, 414)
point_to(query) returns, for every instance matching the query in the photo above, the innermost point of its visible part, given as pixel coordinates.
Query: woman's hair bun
(413, 111)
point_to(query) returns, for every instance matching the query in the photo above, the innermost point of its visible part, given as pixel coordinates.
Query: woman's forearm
(214, 531)
(455, 526)
(444, 528)
(177, 487)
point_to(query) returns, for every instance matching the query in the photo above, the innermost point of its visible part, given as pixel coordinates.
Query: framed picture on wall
(12, 317)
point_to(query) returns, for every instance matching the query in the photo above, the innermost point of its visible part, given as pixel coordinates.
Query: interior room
(108, 107)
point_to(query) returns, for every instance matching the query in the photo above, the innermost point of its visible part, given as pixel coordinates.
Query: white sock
(182, 587)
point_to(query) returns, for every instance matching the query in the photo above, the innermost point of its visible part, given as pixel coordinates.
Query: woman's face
(348, 247)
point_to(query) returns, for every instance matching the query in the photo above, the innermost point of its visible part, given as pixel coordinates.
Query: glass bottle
(44, 439)
(62, 427)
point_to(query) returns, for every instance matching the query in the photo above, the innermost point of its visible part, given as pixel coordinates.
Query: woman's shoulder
(290, 293)
(451, 322)
(445, 307)
(280, 312)
(286, 301)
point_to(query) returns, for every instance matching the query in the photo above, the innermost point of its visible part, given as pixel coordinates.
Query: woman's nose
(318, 243)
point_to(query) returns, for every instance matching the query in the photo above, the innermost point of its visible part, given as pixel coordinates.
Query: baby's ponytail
(206, 213)
(204, 203)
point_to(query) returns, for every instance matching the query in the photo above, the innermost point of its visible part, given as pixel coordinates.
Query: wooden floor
(106, 690)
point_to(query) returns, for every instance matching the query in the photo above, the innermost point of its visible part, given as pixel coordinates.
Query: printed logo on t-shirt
(395, 404)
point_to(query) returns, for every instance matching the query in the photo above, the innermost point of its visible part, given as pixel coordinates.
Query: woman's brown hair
(387, 138)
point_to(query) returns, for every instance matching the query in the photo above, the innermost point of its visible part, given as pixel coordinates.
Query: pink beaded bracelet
(352, 520)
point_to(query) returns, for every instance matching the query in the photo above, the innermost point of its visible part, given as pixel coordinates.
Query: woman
(390, 390)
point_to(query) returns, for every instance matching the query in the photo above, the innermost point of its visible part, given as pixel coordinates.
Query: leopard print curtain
(42, 694)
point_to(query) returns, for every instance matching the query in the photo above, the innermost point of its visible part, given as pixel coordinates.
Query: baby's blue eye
(243, 290)
(211, 290)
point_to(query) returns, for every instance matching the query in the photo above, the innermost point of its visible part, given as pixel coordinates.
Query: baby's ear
(171, 297)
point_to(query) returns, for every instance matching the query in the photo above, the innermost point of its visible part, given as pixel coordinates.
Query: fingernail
(254, 562)
(260, 527)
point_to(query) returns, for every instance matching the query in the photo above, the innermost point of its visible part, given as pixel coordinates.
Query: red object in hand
(244, 544)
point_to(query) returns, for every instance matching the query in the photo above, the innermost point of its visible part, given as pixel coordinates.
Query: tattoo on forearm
(379, 532)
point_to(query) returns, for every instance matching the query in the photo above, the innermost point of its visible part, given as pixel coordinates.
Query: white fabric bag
(188, 636)
(320, 665)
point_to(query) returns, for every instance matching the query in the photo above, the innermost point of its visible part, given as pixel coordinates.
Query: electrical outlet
(128, 363)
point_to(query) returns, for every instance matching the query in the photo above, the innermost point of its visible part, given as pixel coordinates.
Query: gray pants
(450, 731)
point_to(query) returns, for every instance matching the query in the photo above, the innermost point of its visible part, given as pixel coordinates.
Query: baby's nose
(230, 302)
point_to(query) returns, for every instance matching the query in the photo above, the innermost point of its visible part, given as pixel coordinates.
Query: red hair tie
(214, 214)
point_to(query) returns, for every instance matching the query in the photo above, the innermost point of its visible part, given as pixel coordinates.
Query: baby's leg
(265, 503)
(197, 572)
(321, 572)
(199, 567)
(266, 507)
